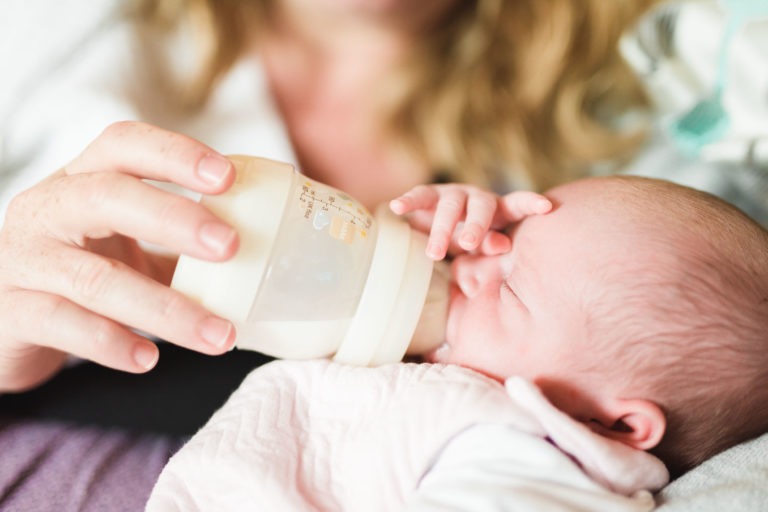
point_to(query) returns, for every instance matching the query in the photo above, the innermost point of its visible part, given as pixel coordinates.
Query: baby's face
(525, 312)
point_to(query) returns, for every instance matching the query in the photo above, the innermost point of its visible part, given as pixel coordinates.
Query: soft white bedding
(318, 435)
(735, 480)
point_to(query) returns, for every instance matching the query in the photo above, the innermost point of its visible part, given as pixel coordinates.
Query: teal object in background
(708, 120)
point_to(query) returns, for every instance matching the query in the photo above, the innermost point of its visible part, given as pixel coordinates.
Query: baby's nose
(470, 273)
(469, 285)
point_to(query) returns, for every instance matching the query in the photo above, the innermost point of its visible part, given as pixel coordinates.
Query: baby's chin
(438, 355)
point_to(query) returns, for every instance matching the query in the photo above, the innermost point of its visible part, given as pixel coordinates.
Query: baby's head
(638, 306)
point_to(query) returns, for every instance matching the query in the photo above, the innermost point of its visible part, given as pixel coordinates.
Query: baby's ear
(638, 423)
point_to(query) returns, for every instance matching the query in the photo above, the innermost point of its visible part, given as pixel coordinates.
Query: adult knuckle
(172, 305)
(54, 313)
(98, 189)
(179, 148)
(93, 277)
(103, 334)
(56, 309)
(24, 220)
(121, 128)
(176, 210)
(110, 139)
(21, 204)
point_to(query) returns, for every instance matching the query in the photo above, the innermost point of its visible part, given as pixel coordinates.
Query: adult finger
(114, 290)
(55, 322)
(101, 204)
(150, 152)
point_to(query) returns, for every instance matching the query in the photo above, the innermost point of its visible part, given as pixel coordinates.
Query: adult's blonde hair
(524, 89)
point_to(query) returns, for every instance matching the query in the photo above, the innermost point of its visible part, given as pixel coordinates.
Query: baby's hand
(466, 217)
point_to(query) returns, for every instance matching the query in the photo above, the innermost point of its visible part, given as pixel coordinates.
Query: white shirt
(71, 70)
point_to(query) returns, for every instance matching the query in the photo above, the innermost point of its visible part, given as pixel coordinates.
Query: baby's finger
(481, 207)
(421, 197)
(146, 151)
(448, 213)
(517, 205)
(495, 243)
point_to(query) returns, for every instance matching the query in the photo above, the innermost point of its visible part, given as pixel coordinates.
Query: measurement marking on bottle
(311, 200)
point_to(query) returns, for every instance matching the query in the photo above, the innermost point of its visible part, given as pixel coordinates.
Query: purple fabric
(47, 466)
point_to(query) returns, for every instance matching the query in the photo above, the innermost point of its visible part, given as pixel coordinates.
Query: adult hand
(461, 218)
(73, 279)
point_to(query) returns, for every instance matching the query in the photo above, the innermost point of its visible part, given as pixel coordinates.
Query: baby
(623, 315)
(637, 306)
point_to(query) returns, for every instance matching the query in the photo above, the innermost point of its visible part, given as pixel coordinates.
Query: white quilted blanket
(318, 435)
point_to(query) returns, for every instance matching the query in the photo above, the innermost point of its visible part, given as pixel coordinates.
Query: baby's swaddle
(319, 435)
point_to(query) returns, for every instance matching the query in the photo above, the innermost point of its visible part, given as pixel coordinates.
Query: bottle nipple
(430, 329)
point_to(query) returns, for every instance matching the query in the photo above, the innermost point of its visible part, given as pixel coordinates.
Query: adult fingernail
(217, 236)
(217, 332)
(145, 355)
(213, 169)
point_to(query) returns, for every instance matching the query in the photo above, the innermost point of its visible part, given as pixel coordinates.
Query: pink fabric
(319, 435)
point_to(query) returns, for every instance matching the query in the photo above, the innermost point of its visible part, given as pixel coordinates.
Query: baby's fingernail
(435, 251)
(217, 332)
(543, 205)
(469, 238)
(145, 355)
(217, 236)
(213, 169)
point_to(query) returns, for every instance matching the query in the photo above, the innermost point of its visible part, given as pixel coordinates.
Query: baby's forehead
(581, 214)
(597, 197)
(623, 210)
(590, 243)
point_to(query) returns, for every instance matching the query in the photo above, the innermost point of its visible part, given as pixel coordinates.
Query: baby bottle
(316, 274)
